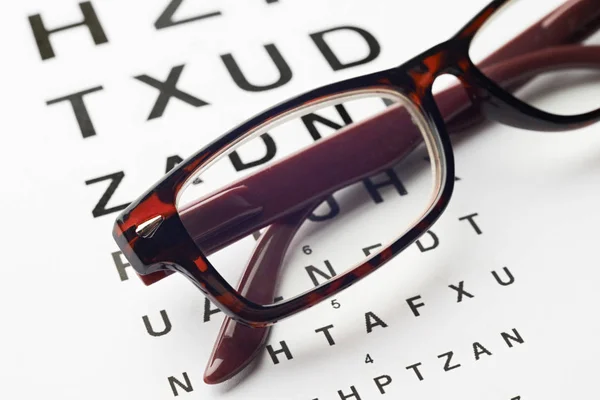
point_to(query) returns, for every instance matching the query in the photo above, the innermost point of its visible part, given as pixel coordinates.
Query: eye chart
(100, 98)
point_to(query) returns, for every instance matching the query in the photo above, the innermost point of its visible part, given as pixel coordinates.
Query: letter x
(167, 90)
(461, 291)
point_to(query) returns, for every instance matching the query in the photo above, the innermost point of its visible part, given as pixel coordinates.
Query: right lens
(541, 51)
(313, 193)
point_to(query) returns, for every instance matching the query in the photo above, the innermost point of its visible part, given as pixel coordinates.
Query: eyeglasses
(364, 166)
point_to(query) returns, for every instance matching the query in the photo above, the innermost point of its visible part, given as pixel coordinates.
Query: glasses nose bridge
(450, 57)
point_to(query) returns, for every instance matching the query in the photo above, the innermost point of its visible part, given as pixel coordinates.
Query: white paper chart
(100, 98)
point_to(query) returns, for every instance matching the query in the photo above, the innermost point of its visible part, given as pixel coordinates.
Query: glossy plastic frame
(153, 238)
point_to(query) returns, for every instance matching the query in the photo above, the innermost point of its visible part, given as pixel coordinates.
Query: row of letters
(168, 89)
(503, 278)
(448, 362)
(42, 33)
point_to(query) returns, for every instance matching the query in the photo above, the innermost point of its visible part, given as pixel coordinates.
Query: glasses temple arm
(238, 344)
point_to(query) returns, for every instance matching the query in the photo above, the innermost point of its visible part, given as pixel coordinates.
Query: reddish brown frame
(170, 247)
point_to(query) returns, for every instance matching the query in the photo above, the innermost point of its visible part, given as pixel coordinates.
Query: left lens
(313, 193)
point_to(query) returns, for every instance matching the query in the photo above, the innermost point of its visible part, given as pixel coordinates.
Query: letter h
(42, 34)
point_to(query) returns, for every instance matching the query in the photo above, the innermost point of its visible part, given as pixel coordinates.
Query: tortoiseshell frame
(172, 249)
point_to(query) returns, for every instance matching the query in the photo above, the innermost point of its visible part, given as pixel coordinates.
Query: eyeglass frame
(156, 243)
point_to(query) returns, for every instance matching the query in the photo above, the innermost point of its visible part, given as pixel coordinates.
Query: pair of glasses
(363, 166)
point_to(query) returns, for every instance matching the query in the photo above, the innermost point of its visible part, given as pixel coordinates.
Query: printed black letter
(367, 250)
(208, 311)
(312, 270)
(172, 162)
(167, 90)
(348, 396)
(393, 180)
(151, 330)
(415, 307)
(471, 220)
(436, 243)
(271, 148)
(333, 60)
(461, 291)
(284, 349)
(334, 210)
(81, 113)
(285, 73)
(311, 119)
(447, 366)
(369, 317)
(166, 18)
(121, 264)
(511, 278)
(516, 338)
(328, 336)
(415, 367)
(187, 386)
(380, 384)
(100, 209)
(42, 35)
(478, 349)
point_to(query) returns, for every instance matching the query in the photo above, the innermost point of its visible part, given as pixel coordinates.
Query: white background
(71, 329)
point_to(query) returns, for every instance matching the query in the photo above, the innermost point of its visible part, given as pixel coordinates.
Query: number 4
(369, 360)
